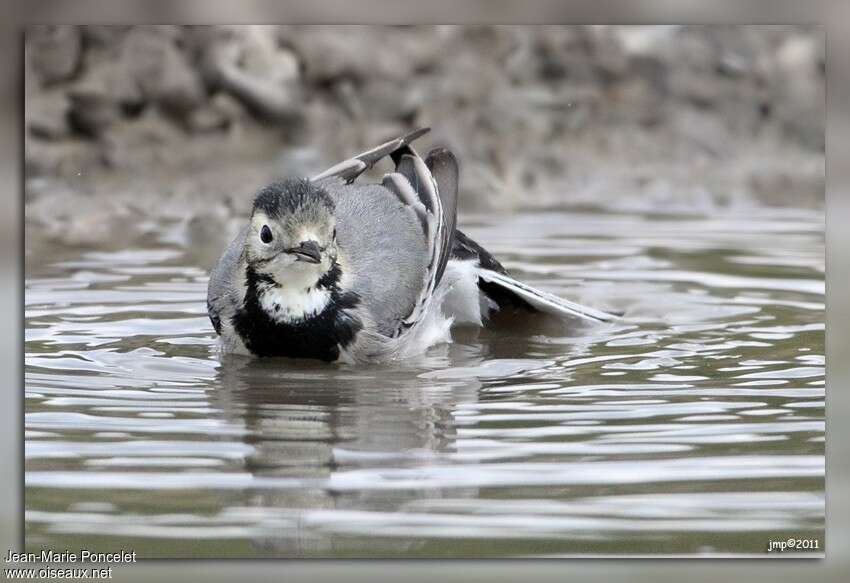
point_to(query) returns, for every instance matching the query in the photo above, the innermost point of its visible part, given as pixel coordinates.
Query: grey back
(383, 248)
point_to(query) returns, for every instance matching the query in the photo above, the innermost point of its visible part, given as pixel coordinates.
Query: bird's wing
(444, 169)
(349, 170)
(429, 187)
(382, 250)
(221, 298)
(505, 291)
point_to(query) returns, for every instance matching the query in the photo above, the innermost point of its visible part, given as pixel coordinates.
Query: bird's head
(292, 234)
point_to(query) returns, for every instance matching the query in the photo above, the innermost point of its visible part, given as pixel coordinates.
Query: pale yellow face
(272, 243)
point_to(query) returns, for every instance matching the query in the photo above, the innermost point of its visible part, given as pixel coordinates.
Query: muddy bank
(130, 124)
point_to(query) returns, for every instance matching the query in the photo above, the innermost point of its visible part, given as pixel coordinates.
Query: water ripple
(695, 423)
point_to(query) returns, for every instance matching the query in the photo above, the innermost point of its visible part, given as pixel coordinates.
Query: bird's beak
(306, 251)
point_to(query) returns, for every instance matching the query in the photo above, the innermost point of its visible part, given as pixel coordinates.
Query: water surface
(694, 426)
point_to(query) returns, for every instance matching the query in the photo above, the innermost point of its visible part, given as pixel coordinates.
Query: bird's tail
(503, 289)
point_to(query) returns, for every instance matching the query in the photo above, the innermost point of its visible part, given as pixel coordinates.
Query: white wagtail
(336, 270)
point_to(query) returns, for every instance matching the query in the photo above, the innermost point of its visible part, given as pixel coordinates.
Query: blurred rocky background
(127, 125)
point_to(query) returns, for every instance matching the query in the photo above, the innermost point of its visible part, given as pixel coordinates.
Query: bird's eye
(266, 235)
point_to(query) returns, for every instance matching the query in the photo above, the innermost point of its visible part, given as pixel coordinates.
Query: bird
(341, 270)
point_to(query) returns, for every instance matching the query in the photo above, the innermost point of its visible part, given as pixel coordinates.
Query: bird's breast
(288, 305)
(323, 327)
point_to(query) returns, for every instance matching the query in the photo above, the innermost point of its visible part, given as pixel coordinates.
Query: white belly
(463, 301)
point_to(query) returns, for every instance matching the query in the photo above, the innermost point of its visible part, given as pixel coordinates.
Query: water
(694, 426)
